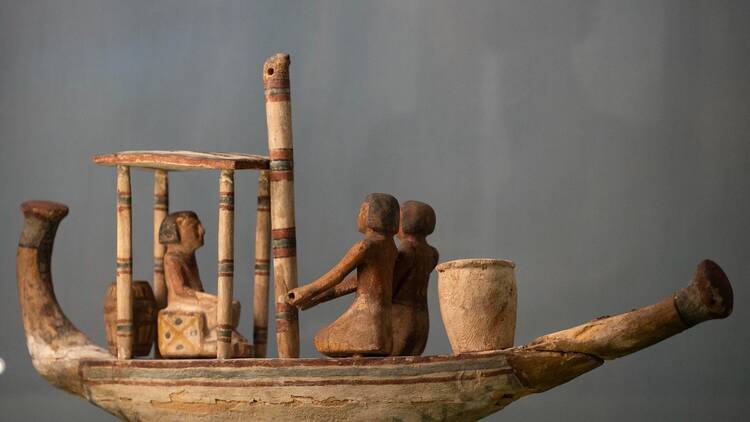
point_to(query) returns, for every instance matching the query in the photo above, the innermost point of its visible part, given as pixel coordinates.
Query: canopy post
(124, 265)
(262, 266)
(161, 209)
(280, 145)
(226, 265)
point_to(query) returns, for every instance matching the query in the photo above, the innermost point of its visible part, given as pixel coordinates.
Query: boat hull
(406, 388)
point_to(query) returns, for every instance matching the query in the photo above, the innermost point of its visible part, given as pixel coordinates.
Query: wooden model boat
(458, 387)
(464, 387)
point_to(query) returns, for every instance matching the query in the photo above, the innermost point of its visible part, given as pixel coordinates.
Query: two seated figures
(187, 327)
(389, 315)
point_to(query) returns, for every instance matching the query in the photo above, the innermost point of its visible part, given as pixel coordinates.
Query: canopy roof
(183, 160)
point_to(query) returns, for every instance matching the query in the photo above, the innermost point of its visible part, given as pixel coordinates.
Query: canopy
(183, 160)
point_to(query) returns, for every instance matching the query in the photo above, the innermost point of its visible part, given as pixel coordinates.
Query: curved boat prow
(56, 346)
(557, 358)
(708, 296)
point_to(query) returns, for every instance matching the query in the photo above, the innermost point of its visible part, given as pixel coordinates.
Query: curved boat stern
(56, 346)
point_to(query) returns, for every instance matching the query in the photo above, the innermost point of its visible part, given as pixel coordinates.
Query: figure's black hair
(168, 230)
(417, 218)
(382, 214)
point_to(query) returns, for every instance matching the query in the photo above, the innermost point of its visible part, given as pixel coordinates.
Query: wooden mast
(262, 267)
(124, 265)
(161, 209)
(280, 145)
(226, 265)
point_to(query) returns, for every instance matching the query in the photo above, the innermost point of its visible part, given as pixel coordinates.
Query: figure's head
(417, 218)
(379, 213)
(182, 228)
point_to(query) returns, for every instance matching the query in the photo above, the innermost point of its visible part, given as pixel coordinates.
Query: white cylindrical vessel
(478, 303)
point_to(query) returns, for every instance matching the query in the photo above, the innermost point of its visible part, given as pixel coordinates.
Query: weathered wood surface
(56, 346)
(709, 296)
(277, 91)
(463, 387)
(183, 160)
(411, 389)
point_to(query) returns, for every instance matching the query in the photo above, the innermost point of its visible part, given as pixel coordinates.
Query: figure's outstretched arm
(349, 285)
(301, 295)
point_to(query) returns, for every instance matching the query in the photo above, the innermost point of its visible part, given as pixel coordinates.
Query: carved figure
(188, 325)
(365, 328)
(416, 260)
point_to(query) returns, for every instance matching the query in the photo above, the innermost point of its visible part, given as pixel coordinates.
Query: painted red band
(282, 154)
(277, 176)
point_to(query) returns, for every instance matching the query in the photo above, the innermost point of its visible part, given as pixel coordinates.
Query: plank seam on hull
(296, 383)
(300, 362)
(255, 372)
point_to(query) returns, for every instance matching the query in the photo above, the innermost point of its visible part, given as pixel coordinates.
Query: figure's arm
(436, 257)
(297, 297)
(205, 297)
(349, 285)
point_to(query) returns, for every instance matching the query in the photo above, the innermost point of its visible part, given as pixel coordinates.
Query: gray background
(602, 145)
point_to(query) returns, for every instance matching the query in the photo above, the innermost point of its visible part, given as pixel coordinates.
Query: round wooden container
(478, 303)
(144, 318)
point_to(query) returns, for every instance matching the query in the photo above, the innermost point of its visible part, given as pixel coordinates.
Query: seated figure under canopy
(365, 328)
(188, 325)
